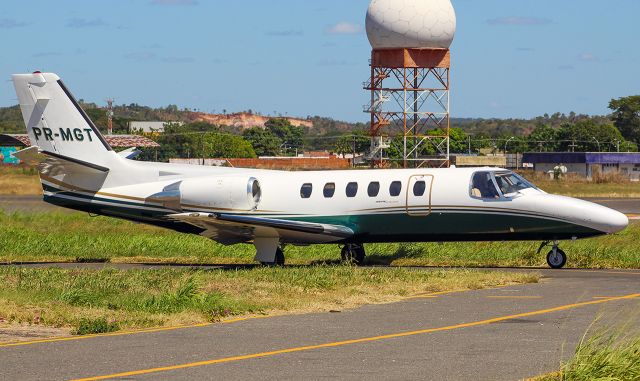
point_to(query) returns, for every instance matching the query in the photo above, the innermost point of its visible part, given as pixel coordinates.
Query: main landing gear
(556, 258)
(353, 253)
(269, 251)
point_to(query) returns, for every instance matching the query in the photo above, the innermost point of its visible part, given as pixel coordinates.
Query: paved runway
(505, 333)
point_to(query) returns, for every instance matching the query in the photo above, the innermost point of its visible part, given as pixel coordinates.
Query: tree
(587, 135)
(285, 131)
(264, 142)
(626, 116)
(345, 144)
(544, 138)
(226, 146)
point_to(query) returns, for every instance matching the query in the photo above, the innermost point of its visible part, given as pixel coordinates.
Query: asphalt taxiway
(506, 333)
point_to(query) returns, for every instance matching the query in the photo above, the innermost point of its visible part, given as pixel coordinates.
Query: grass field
(76, 237)
(93, 301)
(612, 186)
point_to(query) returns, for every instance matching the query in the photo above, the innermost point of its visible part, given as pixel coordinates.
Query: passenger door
(419, 195)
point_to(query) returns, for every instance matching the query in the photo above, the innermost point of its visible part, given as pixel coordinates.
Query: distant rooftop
(582, 157)
(115, 141)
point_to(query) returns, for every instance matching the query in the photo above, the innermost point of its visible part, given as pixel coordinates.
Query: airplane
(267, 208)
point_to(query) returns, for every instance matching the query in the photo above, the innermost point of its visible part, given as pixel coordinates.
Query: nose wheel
(556, 259)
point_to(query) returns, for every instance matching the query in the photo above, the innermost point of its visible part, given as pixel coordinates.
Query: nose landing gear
(556, 258)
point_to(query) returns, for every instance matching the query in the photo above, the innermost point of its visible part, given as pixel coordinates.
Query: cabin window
(306, 190)
(373, 189)
(395, 189)
(419, 188)
(482, 186)
(352, 189)
(329, 190)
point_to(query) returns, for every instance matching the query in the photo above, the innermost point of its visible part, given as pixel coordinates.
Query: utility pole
(353, 159)
(110, 115)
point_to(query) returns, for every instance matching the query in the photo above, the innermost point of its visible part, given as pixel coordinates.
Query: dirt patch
(11, 333)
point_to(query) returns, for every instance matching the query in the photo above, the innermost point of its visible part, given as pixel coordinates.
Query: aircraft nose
(611, 221)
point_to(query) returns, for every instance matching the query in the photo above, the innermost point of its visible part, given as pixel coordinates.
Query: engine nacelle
(233, 193)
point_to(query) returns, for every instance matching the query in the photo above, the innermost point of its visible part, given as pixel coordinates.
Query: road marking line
(604, 272)
(434, 294)
(512, 297)
(123, 333)
(355, 341)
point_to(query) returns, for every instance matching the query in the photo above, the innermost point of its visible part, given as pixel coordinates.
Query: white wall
(579, 168)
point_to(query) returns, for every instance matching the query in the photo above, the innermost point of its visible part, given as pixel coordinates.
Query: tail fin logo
(66, 134)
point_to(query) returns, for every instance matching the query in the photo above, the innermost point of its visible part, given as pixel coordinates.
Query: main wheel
(353, 253)
(556, 259)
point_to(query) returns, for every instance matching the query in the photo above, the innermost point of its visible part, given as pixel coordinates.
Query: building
(586, 163)
(478, 161)
(12, 143)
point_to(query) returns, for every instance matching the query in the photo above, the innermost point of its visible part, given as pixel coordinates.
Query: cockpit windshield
(511, 183)
(495, 185)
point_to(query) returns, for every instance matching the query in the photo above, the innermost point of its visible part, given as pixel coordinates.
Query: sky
(510, 58)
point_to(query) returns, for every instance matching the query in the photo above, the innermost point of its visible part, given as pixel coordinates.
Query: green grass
(94, 301)
(607, 356)
(76, 237)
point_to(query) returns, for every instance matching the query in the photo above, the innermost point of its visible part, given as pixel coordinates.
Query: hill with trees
(235, 135)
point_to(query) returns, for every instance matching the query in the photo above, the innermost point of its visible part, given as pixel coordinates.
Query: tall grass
(611, 354)
(79, 238)
(103, 300)
(19, 180)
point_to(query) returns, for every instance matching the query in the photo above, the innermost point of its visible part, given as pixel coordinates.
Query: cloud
(85, 23)
(285, 33)
(588, 57)
(344, 28)
(178, 59)
(11, 23)
(519, 21)
(46, 54)
(140, 56)
(174, 2)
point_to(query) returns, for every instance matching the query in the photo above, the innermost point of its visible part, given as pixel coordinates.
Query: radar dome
(411, 24)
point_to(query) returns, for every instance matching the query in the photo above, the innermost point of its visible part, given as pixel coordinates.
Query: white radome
(411, 24)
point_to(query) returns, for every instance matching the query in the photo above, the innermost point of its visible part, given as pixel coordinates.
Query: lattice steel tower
(410, 80)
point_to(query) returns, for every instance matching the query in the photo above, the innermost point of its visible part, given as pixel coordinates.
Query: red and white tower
(409, 82)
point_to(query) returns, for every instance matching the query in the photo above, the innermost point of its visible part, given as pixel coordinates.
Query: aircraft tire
(280, 257)
(279, 260)
(353, 253)
(556, 259)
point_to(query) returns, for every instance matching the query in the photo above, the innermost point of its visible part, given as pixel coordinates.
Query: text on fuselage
(66, 134)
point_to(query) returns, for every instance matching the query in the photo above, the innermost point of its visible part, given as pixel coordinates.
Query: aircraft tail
(56, 123)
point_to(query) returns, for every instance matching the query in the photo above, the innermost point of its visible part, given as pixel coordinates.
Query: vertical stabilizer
(56, 123)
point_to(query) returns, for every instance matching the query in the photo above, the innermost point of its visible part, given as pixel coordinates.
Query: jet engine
(226, 193)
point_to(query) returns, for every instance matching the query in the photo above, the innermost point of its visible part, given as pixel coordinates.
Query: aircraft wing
(233, 228)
